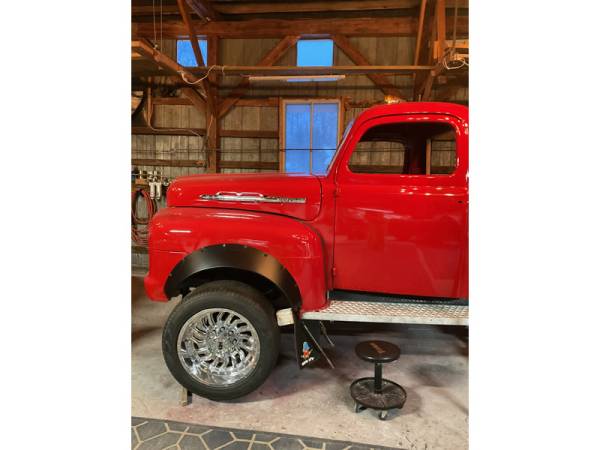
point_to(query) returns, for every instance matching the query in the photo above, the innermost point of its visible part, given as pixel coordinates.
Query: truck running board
(387, 312)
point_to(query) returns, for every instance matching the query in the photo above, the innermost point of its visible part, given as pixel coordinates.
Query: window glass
(314, 52)
(412, 148)
(297, 138)
(311, 134)
(185, 52)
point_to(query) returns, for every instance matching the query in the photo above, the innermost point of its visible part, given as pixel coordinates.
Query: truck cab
(385, 230)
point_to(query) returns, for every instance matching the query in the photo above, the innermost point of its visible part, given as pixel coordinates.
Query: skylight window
(185, 52)
(314, 52)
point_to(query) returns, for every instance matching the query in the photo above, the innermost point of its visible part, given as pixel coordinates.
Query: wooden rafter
(269, 59)
(257, 28)
(196, 48)
(381, 81)
(308, 71)
(204, 9)
(190, 27)
(145, 48)
(217, 70)
(312, 6)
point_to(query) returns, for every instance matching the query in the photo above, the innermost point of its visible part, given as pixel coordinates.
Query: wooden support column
(420, 32)
(213, 123)
(381, 81)
(269, 59)
(437, 48)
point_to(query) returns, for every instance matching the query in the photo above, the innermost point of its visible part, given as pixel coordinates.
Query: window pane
(185, 52)
(324, 135)
(297, 138)
(314, 52)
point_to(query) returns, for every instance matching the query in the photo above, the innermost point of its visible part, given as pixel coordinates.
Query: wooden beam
(266, 134)
(270, 58)
(197, 53)
(256, 28)
(381, 81)
(287, 7)
(260, 165)
(190, 28)
(213, 124)
(308, 71)
(145, 48)
(168, 131)
(167, 162)
(440, 20)
(194, 98)
(254, 134)
(420, 32)
(204, 9)
(312, 6)
(295, 71)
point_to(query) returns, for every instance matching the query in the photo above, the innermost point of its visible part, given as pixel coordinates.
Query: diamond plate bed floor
(156, 434)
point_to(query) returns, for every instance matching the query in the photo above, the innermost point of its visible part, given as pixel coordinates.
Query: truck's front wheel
(222, 341)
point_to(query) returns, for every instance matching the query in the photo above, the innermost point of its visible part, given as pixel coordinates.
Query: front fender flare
(233, 256)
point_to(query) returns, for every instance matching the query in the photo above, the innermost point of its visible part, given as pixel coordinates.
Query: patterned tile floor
(152, 434)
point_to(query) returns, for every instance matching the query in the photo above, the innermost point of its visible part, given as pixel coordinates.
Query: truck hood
(292, 195)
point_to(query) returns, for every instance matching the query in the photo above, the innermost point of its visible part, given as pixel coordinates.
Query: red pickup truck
(385, 229)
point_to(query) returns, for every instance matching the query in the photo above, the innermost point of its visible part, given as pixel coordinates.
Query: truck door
(401, 218)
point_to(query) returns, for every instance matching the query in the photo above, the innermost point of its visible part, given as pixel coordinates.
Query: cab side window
(410, 148)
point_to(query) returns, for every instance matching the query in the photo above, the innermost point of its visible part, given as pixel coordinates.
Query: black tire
(242, 299)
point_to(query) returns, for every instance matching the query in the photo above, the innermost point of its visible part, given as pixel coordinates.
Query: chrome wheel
(218, 347)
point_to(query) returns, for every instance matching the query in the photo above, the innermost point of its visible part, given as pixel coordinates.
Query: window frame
(344, 174)
(282, 110)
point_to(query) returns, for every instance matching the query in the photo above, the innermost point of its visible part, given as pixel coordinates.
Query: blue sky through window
(185, 52)
(314, 52)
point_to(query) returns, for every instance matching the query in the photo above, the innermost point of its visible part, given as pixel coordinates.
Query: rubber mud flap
(308, 349)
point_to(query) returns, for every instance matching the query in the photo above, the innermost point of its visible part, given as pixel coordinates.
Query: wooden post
(213, 123)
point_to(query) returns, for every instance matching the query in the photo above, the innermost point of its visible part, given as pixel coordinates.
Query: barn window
(314, 52)
(185, 52)
(310, 135)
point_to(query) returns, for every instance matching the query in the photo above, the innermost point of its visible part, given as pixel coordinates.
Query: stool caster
(359, 408)
(383, 415)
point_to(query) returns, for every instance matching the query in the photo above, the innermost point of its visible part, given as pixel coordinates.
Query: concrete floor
(315, 402)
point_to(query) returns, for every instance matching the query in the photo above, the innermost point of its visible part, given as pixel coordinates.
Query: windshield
(344, 136)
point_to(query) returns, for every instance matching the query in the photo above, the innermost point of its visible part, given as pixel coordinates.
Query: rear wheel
(222, 341)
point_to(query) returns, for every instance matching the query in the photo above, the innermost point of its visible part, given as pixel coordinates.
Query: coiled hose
(139, 225)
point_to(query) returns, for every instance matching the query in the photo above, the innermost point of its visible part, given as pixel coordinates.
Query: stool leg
(378, 377)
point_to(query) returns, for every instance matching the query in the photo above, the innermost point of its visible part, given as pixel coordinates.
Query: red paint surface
(388, 233)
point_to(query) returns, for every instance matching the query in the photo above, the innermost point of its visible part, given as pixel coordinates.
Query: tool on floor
(376, 392)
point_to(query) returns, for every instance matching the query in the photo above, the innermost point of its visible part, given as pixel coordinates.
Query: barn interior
(232, 86)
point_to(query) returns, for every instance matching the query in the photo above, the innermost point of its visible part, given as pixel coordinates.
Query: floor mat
(157, 434)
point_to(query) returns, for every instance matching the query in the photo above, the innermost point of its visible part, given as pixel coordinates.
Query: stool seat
(377, 351)
(376, 392)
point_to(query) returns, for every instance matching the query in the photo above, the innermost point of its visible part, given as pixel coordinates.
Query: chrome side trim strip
(249, 197)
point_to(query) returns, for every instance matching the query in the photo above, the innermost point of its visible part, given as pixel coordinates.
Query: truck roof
(455, 109)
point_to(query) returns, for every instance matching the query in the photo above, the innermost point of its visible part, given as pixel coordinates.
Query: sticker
(307, 356)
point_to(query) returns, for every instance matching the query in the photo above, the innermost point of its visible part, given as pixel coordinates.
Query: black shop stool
(377, 392)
